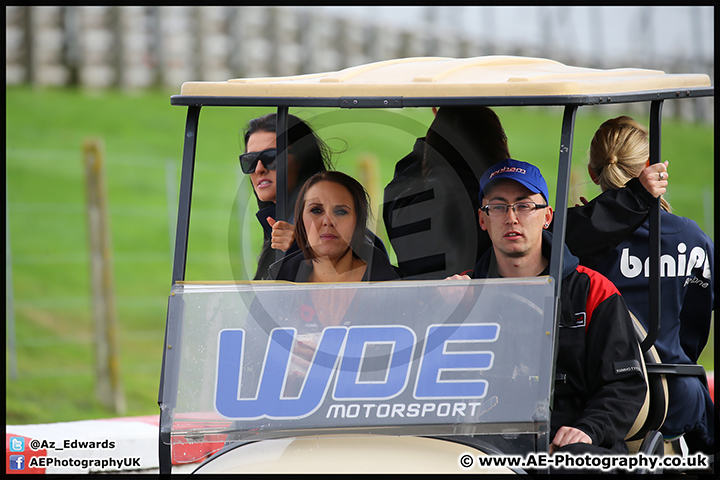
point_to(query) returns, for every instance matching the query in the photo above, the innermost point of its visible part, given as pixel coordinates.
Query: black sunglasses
(248, 161)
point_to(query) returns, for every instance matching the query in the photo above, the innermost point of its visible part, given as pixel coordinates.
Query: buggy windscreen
(258, 360)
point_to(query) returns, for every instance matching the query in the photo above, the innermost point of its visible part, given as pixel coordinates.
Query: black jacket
(599, 387)
(431, 218)
(595, 229)
(295, 268)
(268, 255)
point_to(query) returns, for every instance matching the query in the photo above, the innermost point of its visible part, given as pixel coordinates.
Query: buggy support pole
(558, 238)
(186, 182)
(561, 196)
(654, 237)
(281, 193)
(180, 257)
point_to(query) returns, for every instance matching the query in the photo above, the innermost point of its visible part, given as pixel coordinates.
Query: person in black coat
(432, 201)
(599, 388)
(307, 155)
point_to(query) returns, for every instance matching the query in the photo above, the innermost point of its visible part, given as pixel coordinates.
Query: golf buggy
(430, 376)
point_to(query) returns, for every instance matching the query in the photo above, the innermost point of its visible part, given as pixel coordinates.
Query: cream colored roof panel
(449, 77)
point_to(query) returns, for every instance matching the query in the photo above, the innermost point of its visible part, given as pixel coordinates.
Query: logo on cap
(508, 170)
(525, 173)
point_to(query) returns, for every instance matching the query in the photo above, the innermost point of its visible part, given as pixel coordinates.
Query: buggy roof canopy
(421, 81)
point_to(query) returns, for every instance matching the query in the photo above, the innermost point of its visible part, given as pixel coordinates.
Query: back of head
(619, 151)
(470, 135)
(361, 205)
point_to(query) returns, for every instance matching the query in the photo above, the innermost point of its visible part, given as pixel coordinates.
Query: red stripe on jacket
(601, 288)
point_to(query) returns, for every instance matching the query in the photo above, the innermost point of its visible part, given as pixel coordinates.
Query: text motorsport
(341, 354)
(411, 410)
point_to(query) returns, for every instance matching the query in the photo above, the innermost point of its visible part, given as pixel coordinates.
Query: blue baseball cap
(524, 173)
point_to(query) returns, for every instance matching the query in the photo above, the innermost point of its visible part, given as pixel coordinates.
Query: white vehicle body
(407, 385)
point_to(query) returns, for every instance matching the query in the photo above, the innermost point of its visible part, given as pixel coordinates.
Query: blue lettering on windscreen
(348, 385)
(437, 358)
(349, 346)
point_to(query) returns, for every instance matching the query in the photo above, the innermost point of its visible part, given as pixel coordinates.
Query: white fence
(138, 47)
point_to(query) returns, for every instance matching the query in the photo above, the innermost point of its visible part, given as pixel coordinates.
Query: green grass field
(143, 136)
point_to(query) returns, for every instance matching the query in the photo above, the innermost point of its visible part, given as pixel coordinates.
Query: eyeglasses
(248, 161)
(520, 209)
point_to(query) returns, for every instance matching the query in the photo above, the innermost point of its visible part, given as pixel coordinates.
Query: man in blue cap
(599, 386)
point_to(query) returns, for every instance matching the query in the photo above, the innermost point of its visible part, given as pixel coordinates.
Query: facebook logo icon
(17, 462)
(17, 444)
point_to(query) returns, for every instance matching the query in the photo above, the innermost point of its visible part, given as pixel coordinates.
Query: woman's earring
(547, 225)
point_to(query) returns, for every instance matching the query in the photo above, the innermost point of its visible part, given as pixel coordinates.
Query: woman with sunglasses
(307, 155)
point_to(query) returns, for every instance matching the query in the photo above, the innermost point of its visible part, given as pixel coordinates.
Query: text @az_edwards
(22, 456)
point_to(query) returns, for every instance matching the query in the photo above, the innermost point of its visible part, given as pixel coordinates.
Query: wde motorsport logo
(348, 347)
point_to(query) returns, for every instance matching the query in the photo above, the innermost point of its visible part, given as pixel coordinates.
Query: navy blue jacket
(687, 302)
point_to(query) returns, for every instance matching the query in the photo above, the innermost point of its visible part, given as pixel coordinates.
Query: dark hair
(361, 202)
(475, 126)
(310, 151)
(470, 139)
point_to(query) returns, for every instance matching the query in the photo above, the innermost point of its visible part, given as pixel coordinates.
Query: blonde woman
(619, 151)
